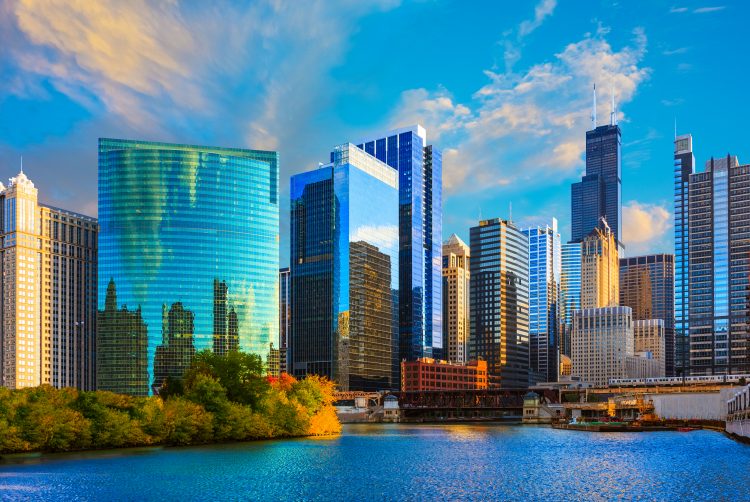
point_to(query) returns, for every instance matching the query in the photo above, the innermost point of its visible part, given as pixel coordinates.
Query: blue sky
(504, 88)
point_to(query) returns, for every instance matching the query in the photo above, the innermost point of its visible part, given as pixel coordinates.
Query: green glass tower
(188, 258)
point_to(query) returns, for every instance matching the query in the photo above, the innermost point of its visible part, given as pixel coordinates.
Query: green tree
(186, 422)
(239, 373)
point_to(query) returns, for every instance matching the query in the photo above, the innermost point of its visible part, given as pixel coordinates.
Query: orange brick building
(429, 374)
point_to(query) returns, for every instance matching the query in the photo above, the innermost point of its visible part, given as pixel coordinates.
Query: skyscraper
(285, 316)
(344, 271)
(189, 251)
(500, 302)
(600, 276)
(684, 167)
(598, 195)
(647, 286)
(649, 337)
(570, 291)
(48, 287)
(420, 168)
(545, 271)
(456, 283)
(719, 268)
(602, 341)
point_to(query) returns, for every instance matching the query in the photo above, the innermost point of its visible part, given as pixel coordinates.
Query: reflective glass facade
(570, 291)
(188, 258)
(500, 302)
(420, 168)
(344, 271)
(545, 270)
(684, 166)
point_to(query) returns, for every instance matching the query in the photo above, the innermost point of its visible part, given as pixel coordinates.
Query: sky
(503, 88)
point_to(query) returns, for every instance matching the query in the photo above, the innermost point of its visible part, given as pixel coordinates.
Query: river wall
(692, 405)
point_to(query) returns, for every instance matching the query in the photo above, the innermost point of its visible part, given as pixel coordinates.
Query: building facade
(719, 268)
(570, 291)
(344, 271)
(420, 169)
(427, 374)
(48, 268)
(500, 302)
(456, 284)
(647, 286)
(285, 316)
(684, 167)
(600, 276)
(545, 275)
(188, 258)
(650, 337)
(602, 340)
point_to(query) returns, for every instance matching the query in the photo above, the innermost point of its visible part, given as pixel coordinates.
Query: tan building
(456, 280)
(649, 338)
(48, 264)
(601, 341)
(643, 365)
(600, 273)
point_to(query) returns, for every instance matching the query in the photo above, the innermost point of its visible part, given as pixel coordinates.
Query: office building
(570, 291)
(684, 167)
(48, 261)
(719, 268)
(600, 276)
(545, 271)
(650, 337)
(420, 169)
(598, 195)
(643, 365)
(500, 302)
(427, 374)
(647, 286)
(188, 258)
(602, 339)
(344, 271)
(456, 281)
(285, 316)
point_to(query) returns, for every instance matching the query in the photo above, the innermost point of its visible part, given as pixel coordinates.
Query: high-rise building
(48, 260)
(500, 302)
(420, 168)
(456, 282)
(285, 316)
(684, 167)
(545, 275)
(602, 340)
(600, 275)
(344, 271)
(188, 257)
(649, 336)
(570, 291)
(647, 286)
(719, 268)
(598, 195)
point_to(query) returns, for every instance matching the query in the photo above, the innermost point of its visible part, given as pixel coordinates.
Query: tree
(239, 373)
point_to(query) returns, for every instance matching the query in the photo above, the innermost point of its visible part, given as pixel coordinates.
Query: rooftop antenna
(613, 113)
(675, 127)
(593, 111)
(510, 211)
(21, 164)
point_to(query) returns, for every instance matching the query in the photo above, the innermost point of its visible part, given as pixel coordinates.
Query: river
(403, 462)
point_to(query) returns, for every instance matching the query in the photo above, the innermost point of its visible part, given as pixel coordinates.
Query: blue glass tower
(570, 291)
(684, 166)
(188, 258)
(545, 269)
(344, 271)
(420, 169)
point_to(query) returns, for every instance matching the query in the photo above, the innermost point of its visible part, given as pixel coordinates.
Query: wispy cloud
(678, 10)
(673, 52)
(645, 227)
(705, 10)
(513, 42)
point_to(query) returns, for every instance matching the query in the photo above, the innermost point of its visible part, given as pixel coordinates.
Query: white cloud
(385, 237)
(645, 227)
(705, 10)
(543, 9)
(513, 46)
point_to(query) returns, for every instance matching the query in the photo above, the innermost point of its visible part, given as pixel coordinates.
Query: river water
(403, 462)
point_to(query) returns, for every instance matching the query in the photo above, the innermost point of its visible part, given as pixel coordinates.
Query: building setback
(344, 271)
(719, 268)
(647, 286)
(188, 258)
(456, 284)
(545, 270)
(500, 302)
(48, 269)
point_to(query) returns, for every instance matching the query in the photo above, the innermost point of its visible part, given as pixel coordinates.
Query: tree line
(219, 398)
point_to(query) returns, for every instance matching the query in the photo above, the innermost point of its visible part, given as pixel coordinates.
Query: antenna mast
(593, 111)
(613, 113)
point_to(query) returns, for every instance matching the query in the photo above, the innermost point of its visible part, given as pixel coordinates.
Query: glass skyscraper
(545, 270)
(420, 168)
(188, 258)
(570, 291)
(684, 167)
(344, 271)
(500, 302)
(598, 195)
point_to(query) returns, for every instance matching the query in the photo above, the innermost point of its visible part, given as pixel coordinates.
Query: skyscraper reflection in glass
(188, 258)
(344, 271)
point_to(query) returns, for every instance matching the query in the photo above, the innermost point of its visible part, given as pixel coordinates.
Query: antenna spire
(675, 127)
(613, 113)
(21, 164)
(510, 211)
(593, 111)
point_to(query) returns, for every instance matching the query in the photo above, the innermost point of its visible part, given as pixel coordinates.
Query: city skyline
(527, 58)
